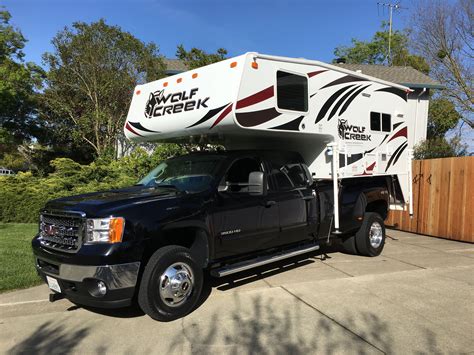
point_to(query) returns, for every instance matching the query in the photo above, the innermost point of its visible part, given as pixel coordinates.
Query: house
(420, 83)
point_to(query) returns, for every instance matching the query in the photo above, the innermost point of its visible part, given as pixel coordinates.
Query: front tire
(370, 239)
(171, 284)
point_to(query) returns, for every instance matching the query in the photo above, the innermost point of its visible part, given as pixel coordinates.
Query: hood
(105, 202)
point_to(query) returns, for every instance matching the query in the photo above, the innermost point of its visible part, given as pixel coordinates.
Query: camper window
(380, 122)
(292, 91)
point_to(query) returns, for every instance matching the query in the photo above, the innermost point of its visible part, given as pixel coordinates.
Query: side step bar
(259, 261)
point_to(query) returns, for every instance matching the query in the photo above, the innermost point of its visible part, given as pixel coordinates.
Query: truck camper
(314, 154)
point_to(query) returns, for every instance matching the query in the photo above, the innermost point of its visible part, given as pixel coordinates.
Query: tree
(440, 147)
(92, 73)
(19, 82)
(442, 117)
(376, 51)
(443, 34)
(195, 58)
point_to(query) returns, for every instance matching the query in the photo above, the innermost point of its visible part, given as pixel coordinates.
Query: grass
(17, 268)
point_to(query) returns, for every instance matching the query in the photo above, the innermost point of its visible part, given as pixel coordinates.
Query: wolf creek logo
(352, 132)
(160, 103)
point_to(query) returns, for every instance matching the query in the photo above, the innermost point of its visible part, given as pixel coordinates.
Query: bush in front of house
(22, 196)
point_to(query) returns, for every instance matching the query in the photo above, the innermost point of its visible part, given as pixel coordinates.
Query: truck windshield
(187, 173)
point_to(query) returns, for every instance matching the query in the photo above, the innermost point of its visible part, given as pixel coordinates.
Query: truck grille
(61, 231)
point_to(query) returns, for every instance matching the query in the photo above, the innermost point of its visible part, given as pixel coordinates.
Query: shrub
(22, 196)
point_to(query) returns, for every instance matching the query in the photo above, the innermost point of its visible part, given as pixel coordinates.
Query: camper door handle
(270, 203)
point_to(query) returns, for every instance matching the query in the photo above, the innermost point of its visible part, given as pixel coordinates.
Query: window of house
(381, 122)
(292, 91)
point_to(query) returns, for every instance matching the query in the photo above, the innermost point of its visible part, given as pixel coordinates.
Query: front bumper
(77, 281)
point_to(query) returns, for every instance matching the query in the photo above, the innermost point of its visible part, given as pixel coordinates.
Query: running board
(252, 263)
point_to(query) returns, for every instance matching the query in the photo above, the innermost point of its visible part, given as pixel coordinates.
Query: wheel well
(193, 238)
(379, 206)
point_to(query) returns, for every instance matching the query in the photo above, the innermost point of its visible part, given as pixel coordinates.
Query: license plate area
(53, 284)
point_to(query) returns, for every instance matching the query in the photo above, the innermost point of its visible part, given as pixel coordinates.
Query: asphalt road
(417, 297)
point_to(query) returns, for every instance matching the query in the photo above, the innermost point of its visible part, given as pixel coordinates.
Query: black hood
(103, 202)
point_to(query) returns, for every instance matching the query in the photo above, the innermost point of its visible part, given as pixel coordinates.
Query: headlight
(104, 230)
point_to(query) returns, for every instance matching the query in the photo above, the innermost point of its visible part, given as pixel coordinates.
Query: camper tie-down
(314, 155)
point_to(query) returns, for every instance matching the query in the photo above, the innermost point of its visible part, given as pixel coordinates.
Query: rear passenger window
(292, 91)
(288, 176)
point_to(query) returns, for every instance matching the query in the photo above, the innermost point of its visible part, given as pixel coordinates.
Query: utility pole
(390, 7)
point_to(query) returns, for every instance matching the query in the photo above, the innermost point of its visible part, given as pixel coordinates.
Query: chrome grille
(61, 231)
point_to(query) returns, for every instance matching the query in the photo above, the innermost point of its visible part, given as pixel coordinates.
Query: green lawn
(17, 269)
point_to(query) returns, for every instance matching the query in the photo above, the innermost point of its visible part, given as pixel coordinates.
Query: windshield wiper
(166, 186)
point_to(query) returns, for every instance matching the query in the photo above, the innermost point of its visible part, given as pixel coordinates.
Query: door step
(263, 260)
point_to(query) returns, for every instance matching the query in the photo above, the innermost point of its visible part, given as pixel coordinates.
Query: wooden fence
(443, 200)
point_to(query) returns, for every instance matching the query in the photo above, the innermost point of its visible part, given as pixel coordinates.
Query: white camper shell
(257, 101)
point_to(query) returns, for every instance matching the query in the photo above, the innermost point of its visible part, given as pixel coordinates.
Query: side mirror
(257, 183)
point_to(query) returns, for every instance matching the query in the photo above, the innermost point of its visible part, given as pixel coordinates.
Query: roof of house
(174, 66)
(406, 76)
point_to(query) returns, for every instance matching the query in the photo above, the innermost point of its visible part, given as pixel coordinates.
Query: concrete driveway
(418, 297)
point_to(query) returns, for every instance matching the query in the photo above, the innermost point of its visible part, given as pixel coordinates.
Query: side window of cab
(236, 179)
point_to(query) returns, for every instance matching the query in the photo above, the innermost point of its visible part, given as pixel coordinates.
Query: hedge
(22, 196)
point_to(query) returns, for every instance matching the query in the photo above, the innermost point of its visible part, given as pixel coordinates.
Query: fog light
(101, 288)
(96, 288)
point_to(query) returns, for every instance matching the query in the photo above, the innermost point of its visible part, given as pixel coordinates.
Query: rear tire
(171, 284)
(370, 239)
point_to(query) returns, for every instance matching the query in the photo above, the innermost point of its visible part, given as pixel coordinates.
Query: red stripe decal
(255, 98)
(127, 126)
(222, 115)
(371, 167)
(313, 73)
(400, 133)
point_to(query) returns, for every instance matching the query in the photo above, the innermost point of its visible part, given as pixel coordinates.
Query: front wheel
(171, 284)
(370, 239)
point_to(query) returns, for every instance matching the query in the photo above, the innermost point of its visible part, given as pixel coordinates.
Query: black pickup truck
(215, 212)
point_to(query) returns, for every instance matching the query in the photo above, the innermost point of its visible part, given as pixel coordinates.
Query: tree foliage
(440, 147)
(195, 58)
(19, 82)
(375, 51)
(92, 73)
(442, 117)
(444, 35)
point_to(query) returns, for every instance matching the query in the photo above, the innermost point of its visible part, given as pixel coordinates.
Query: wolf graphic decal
(152, 101)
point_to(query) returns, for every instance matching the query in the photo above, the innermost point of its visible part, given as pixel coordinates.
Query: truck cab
(210, 212)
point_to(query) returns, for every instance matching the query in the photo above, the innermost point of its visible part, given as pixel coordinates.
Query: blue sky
(309, 29)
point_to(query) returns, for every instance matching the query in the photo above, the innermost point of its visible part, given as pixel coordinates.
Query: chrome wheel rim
(375, 235)
(176, 284)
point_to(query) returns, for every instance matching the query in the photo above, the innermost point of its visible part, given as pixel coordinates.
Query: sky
(309, 29)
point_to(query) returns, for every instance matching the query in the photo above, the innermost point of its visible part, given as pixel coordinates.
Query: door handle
(269, 203)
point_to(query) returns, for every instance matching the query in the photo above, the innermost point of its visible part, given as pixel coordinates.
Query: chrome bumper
(115, 276)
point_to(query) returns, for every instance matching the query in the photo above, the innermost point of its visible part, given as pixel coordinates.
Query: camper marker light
(255, 65)
(179, 80)
(233, 64)
(104, 230)
(195, 75)
(165, 84)
(138, 92)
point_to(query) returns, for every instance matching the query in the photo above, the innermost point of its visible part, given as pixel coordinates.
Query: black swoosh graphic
(395, 91)
(208, 115)
(329, 102)
(400, 153)
(138, 125)
(343, 80)
(394, 156)
(292, 125)
(339, 103)
(395, 125)
(354, 95)
(250, 119)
